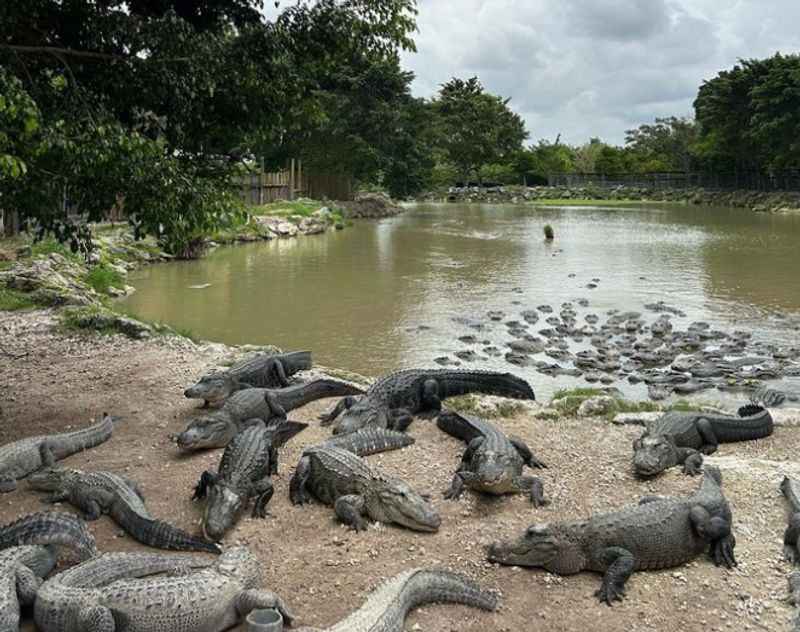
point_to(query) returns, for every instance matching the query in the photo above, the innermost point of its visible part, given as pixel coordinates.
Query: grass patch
(301, 208)
(6, 265)
(51, 246)
(578, 392)
(102, 277)
(13, 300)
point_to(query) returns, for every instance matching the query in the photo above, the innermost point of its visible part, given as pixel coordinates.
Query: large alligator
(216, 429)
(20, 458)
(393, 400)
(262, 371)
(119, 592)
(492, 462)
(657, 533)
(387, 607)
(97, 493)
(791, 537)
(342, 479)
(29, 552)
(683, 437)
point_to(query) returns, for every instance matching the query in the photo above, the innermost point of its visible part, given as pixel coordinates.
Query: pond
(401, 292)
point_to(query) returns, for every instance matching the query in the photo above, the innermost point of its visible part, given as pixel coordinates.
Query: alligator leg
(46, 455)
(346, 403)
(275, 409)
(710, 441)
(794, 588)
(134, 485)
(350, 510)
(263, 490)
(534, 487)
(457, 486)
(692, 461)
(273, 460)
(620, 563)
(399, 419)
(58, 496)
(717, 531)
(525, 452)
(27, 585)
(430, 395)
(207, 480)
(297, 486)
(7, 485)
(95, 619)
(249, 600)
(278, 372)
(791, 537)
(90, 504)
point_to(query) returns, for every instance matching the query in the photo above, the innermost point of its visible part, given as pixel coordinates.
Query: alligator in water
(121, 592)
(387, 607)
(262, 371)
(657, 533)
(492, 462)
(683, 437)
(393, 400)
(20, 458)
(29, 552)
(97, 493)
(216, 429)
(342, 479)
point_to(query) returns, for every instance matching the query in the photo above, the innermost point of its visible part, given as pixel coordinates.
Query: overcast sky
(586, 68)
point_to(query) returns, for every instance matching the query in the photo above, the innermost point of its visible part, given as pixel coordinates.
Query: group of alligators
(146, 592)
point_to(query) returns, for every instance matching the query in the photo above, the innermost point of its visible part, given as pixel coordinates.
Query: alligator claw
(609, 593)
(722, 552)
(452, 494)
(790, 553)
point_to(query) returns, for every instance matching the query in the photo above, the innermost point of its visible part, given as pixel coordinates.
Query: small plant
(102, 276)
(12, 300)
(549, 235)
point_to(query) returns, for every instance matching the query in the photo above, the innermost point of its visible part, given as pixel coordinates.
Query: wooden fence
(293, 182)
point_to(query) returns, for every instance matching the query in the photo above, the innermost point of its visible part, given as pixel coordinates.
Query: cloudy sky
(586, 68)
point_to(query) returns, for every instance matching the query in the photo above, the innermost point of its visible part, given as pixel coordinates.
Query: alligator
(658, 533)
(120, 592)
(97, 493)
(791, 537)
(683, 437)
(243, 474)
(369, 441)
(21, 458)
(216, 429)
(393, 400)
(262, 371)
(492, 462)
(388, 605)
(340, 478)
(49, 528)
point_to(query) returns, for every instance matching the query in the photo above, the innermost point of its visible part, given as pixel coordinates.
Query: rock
(277, 226)
(526, 346)
(636, 419)
(547, 414)
(596, 406)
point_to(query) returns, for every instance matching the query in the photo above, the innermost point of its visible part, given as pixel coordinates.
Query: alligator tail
(160, 534)
(50, 528)
(438, 586)
(297, 360)
(69, 443)
(749, 410)
(284, 430)
(295, 396)
(487, 382)
(368, 441)
(791, 490)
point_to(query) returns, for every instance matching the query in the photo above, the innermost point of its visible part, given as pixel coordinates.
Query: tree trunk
(10, 223)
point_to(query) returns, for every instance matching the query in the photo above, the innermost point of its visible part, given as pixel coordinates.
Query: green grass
(13, 300)
(102, 277)
(574, 397)
(6, 265)
(578, 392)
(51, 246)
(301, 208)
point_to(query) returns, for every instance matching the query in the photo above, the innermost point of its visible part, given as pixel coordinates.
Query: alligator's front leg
(279, 372)
(791, 539)
(794, 588)
(691, 459)
(263, 491)
(525, 452)
(399, 419)
(459, 479)
(91, 504)
(351, 510)
(297, 486)
(207, 480)
(706, 431)
(430, 395)
(620, 564)
(534, 487)
(249, 600)
(57, 496)
(717, 531)
(94, 619)
(346, 403)
(275, 409)
(273, 460)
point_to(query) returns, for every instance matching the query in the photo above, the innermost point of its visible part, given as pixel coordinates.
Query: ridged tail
(419, 587)
(69, 443)
(369, 441)
(50, 528)
(752, 422)
(159, 534)
(295, 361)
(454, 383)
(791, 490)
(293, 397)
(283, 430)
(456, 426)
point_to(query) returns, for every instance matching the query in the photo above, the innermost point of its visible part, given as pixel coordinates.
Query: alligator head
(213, 388)
(544, 546)
(222, 509)
(360, 415)
(400, 504)
(240, 563)
(212, 431)
(49, 478)
(492, 473)
(652, 454)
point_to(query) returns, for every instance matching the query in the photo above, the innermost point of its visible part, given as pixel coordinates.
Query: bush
(102, 277)
(549, 235)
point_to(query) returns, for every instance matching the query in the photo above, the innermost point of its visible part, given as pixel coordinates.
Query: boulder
(596, 406)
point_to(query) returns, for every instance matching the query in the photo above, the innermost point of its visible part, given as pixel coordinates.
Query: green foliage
(19, 126)
(665, 145)
(12, 300)
(45, 247)
(577, 392)
(549, 235)
(102, 276)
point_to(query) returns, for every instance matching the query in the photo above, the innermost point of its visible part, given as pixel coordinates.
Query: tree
(665, 145)
(476, 128)
(549, 158)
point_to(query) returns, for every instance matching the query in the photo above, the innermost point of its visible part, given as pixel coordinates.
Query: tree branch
(54, 50)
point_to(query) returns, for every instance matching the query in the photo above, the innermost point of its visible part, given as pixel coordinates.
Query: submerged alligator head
(395, 501)
(212, 431)
(543, 546)
(213, 388)
(222, 509)
(652, 454)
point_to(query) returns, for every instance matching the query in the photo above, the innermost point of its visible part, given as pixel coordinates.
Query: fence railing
(293, 182)
(786, 180)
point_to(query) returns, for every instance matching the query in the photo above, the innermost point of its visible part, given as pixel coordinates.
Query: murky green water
(357, 298)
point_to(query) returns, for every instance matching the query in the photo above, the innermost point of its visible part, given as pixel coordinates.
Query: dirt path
(324, 571)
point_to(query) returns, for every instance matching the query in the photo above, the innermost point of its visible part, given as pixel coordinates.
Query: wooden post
(291, 180)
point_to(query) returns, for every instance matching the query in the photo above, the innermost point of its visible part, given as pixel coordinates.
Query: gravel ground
(50, 382)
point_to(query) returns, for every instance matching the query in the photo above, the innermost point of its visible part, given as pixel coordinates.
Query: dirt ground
(324, 571)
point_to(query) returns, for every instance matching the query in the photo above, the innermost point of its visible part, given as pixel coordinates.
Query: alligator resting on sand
(393, 400)
(791, 537)
(121, 592)
(387, 607)
(20, 458)
(658, 533)
(492, 462)
(216, 429)
(340, 478)
(683, 437)
(262, 371)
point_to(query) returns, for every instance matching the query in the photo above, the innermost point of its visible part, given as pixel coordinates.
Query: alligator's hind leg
(430, 395)
(692, 461)
(710, 441)
(534, 487)
(525, 452)
(791, 539)
(95, 619)
(277, 371)
(399, 419)
(717, 531)
(264, 490)
(620, 563)
(249, 600)
(350, 510)
(275, 409)
(297, 486)
(7, 485)
(346, 403)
